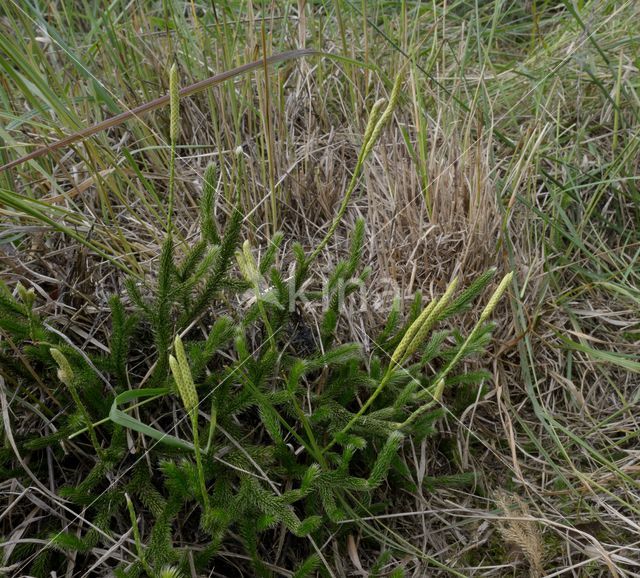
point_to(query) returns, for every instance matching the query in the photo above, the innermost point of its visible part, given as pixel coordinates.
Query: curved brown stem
(157, 103)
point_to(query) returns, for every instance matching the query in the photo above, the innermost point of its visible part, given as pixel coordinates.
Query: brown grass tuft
(521, 533)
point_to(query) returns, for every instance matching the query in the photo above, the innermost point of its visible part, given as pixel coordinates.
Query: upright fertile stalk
(371, 135)
(414, 337)
(174, 130)
(136, 536)
(189, 395)
(67, 376)
(487, 311)
(419, 329)
(250, 271)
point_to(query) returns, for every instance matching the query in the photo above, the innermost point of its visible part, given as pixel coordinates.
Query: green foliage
(287, 442)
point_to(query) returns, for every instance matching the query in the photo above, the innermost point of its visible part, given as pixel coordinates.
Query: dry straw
(521, 532)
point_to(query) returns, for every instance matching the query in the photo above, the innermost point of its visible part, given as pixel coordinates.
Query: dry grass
(529, 164)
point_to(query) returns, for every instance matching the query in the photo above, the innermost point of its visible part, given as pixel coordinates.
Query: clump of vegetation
(271, 444)
(513, 145)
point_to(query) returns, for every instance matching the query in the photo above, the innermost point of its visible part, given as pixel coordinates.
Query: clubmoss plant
(67, 376)
(174, 131)
(377, 121)
(187, 389)
(289, 447)
(291, 450)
